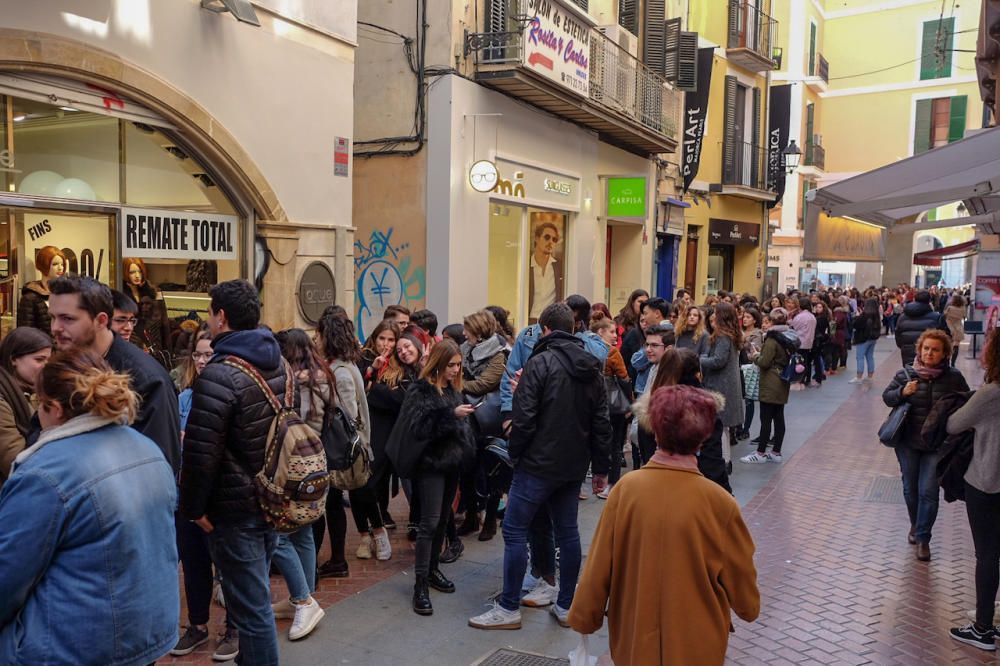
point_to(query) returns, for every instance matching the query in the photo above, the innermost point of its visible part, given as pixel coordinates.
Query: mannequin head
(135, 271)
(50, 262)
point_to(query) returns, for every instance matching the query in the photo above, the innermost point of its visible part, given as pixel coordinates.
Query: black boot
(437, 580)
(471, 523)
(421, 597)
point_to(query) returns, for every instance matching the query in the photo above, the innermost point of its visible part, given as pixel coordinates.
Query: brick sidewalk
(839, 583)
(363, 575)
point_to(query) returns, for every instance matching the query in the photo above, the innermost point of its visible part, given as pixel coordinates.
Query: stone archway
(44, 53)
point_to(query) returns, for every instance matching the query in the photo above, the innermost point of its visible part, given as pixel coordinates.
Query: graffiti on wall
(386, 275)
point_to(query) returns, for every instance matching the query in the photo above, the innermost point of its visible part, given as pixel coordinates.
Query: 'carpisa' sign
(171, 234)
(627, 198)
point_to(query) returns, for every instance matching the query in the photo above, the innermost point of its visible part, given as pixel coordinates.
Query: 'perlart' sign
(557, 45)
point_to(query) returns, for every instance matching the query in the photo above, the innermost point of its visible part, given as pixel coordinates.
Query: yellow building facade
(873, 82)
(726, 227)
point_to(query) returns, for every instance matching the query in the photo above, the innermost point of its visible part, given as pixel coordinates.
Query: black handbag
(618, 399)
(892, 428)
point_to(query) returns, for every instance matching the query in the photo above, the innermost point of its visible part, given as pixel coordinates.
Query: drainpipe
(765, 229)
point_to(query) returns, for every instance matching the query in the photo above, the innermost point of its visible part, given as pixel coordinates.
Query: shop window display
(33, 309)
(87, 170)
(546, 276)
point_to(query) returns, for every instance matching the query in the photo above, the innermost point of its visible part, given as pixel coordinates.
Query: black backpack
(347, 459)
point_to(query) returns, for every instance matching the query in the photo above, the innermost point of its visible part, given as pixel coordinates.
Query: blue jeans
(528, 495)
(865, 352)
(295, 557)
(242, 552)
(920, 488)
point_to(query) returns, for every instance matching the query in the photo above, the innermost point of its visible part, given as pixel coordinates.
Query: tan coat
(11, 442)
(670, 559)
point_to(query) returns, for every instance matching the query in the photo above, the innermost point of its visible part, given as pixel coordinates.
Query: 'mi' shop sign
(557, 45)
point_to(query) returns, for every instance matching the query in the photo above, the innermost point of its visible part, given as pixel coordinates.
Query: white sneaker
(365, 548)
(560, 614)
(307, 616)
(497, 617)
(604, 493)
(774, 457)
(383, 549)
(543, 595)
(283, 610)
(855, 380)
(754, 458)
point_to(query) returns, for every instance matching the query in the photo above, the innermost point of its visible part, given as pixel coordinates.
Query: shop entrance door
(84, 238)
(720, 268)
(691, 260)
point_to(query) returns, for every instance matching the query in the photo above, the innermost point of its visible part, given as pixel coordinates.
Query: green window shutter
(671, 48)
(687, 62)
(935, 64)
(735, 29)
(628, 16)
(729, 148)
(922, 133)
(812, 49)
(653, 35)
(956, 122)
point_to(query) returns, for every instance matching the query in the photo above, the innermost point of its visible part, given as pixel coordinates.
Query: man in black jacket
(560, 428)
(224, 446)
(81, 309)
(917, 317)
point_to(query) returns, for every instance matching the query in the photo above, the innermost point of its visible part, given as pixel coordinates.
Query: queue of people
(483, 432)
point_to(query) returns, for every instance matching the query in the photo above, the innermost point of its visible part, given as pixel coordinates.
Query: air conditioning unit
(622, 37)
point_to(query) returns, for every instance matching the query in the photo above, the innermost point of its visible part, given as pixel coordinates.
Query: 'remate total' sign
(557, 45)
(172, 234)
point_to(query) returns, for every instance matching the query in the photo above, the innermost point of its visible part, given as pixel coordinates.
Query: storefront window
(503, 282)
(63, 153)
(720, 268)
(527, 260)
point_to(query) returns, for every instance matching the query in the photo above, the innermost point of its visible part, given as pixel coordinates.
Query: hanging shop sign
(557, 45)
(86, 244)
(172, 234)
(988, 283)
(483, 176)
(729, 232)
(780, 113)
(627, 198)
(695, 112)
(841, 239)
(317, 291)
(341, 156)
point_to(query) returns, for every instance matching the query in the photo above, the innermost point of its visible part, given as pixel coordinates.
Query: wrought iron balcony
(815, 156)
(598, 85)
(744, 171)
(819, 74)
(823, 68)
(751, 36)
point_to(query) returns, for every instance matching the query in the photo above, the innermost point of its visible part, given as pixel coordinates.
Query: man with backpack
(224, 446)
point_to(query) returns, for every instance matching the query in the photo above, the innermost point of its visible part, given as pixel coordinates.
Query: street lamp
(791, 156)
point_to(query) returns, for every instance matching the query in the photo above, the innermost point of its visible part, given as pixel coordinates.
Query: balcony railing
(823, 68)
(751, 29)
(618, 81)
(815, 155)
(621, 82)
(744, 164)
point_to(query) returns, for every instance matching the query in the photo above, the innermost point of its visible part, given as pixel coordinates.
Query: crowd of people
(482, 429)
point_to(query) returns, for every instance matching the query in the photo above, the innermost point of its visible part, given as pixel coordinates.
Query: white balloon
(43, 183)
(74, 188)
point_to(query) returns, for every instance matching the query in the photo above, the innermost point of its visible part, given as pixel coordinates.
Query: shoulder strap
(254, 374)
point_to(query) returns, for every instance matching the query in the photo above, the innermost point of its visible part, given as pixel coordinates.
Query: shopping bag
(580, 656)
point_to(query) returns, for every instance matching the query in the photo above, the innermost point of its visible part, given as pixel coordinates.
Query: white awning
(967, 169)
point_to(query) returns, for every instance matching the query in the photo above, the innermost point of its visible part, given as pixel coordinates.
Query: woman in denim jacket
(90, 487)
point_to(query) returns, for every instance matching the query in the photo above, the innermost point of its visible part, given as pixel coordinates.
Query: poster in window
(84, 241)
(546, 268)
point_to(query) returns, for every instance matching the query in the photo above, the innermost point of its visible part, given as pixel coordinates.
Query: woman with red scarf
(921, 385)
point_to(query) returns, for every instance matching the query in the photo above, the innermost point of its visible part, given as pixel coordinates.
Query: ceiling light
(19, 118)
(68, 108)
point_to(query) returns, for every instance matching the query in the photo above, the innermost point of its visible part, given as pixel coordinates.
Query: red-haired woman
(668, 515)
(33, 308)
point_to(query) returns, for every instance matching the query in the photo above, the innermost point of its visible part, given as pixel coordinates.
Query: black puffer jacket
(428, 437)
(560, 417)
(921, 402)
(916, 318)
(33, 307)
(226, 433)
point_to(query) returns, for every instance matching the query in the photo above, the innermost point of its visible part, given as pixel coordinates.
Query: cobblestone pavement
(839, 583)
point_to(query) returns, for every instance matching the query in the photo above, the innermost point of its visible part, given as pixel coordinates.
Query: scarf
(13, 395)
(926, 373)
(478, 357)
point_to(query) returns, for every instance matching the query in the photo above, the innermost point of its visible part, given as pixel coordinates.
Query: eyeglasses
(478, 178)
(125, 321)
(550, 238)
(198, 356)
(654, 345)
